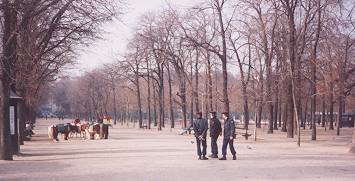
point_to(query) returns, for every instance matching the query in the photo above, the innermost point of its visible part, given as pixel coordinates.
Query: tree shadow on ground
(290, 157)
(30, 167)
(106, 151)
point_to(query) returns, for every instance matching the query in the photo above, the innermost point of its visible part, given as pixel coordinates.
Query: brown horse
(53, 132)
(64, 129)
(95, 130)
(75, 132)
(83, 127)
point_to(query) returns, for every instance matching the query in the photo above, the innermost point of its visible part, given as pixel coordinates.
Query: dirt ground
(149, 155)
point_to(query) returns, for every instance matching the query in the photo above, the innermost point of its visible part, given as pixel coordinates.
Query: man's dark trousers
(214, 146)
(226, 142)
(204, 147)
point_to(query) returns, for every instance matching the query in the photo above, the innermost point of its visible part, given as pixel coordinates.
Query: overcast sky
(118, 33)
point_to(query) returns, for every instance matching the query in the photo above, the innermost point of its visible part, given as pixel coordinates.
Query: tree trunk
(25, 114)
(191, 111)
(5, 138)
(195, 91)
(305, 115)
(300, 108)
(205, 101)
(223, 58)
(161, 98)
(163, 105)
(182, 96)
(225, 87)
(244, 81)
(271, 119)
(323, 111)
(290, 114)
(300, 115)
(284, 118)
(340, 114)
(314, 72)
(276, 107)
(22, 122)
(114, 104)
(172, 120)
(191, 98)
(261, 96)
(331, 107)
(269, 101)
(148, 97)
(313, 115)
(260, 111)
(216, 89)
(9, 44)
(128, 113)
(292, 42)
(210, 85)
(161, 109)
(155, 106)
(246, 107)
(280, 113)
(140, 123)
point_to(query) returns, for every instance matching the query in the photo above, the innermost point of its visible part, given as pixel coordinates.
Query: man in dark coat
(228, 136)
(215, 131)
(200, 126)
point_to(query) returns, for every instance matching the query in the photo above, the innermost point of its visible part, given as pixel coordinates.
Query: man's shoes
(204, 158)
(223, 158)
(234, 157)
(199, 158)
(214, 156)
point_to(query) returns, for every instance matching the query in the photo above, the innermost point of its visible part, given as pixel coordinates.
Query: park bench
(186, 130)
(243, 132)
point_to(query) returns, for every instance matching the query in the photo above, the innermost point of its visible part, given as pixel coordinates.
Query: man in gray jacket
(200, 126)
(228, 136)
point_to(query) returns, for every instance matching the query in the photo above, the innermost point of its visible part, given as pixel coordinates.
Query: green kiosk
(14, 121)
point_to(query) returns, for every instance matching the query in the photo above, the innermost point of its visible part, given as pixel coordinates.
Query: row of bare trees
(280, 61)
(39, 38)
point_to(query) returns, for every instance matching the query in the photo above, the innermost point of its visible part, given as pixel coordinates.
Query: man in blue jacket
(228, 136)
(200, 126)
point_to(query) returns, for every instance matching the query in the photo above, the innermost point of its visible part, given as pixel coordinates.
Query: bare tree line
(39, 42)
(280, 61)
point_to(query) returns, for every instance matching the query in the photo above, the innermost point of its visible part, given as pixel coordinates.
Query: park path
(148, 155)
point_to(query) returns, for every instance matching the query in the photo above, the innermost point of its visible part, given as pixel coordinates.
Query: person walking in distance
(200, 127)
(215, 131)
(228, 136)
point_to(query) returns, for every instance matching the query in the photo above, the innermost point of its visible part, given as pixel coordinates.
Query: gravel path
(148, 155)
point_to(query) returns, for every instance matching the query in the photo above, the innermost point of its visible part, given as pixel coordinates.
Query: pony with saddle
(82, 126)
(64, 129)
(97, 128)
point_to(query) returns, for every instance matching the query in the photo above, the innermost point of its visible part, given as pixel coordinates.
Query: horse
(77, 131)
(64, 129)
(95, 130)
(53, 132)
(83, 126)
(76, 121)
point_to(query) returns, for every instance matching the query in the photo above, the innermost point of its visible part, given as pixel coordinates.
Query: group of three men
(200, 127)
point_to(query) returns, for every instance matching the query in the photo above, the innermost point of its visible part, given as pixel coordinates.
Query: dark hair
(225, 113)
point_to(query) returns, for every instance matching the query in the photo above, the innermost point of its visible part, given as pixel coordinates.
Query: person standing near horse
(200, 127)
(215, 131)
(228, 136)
